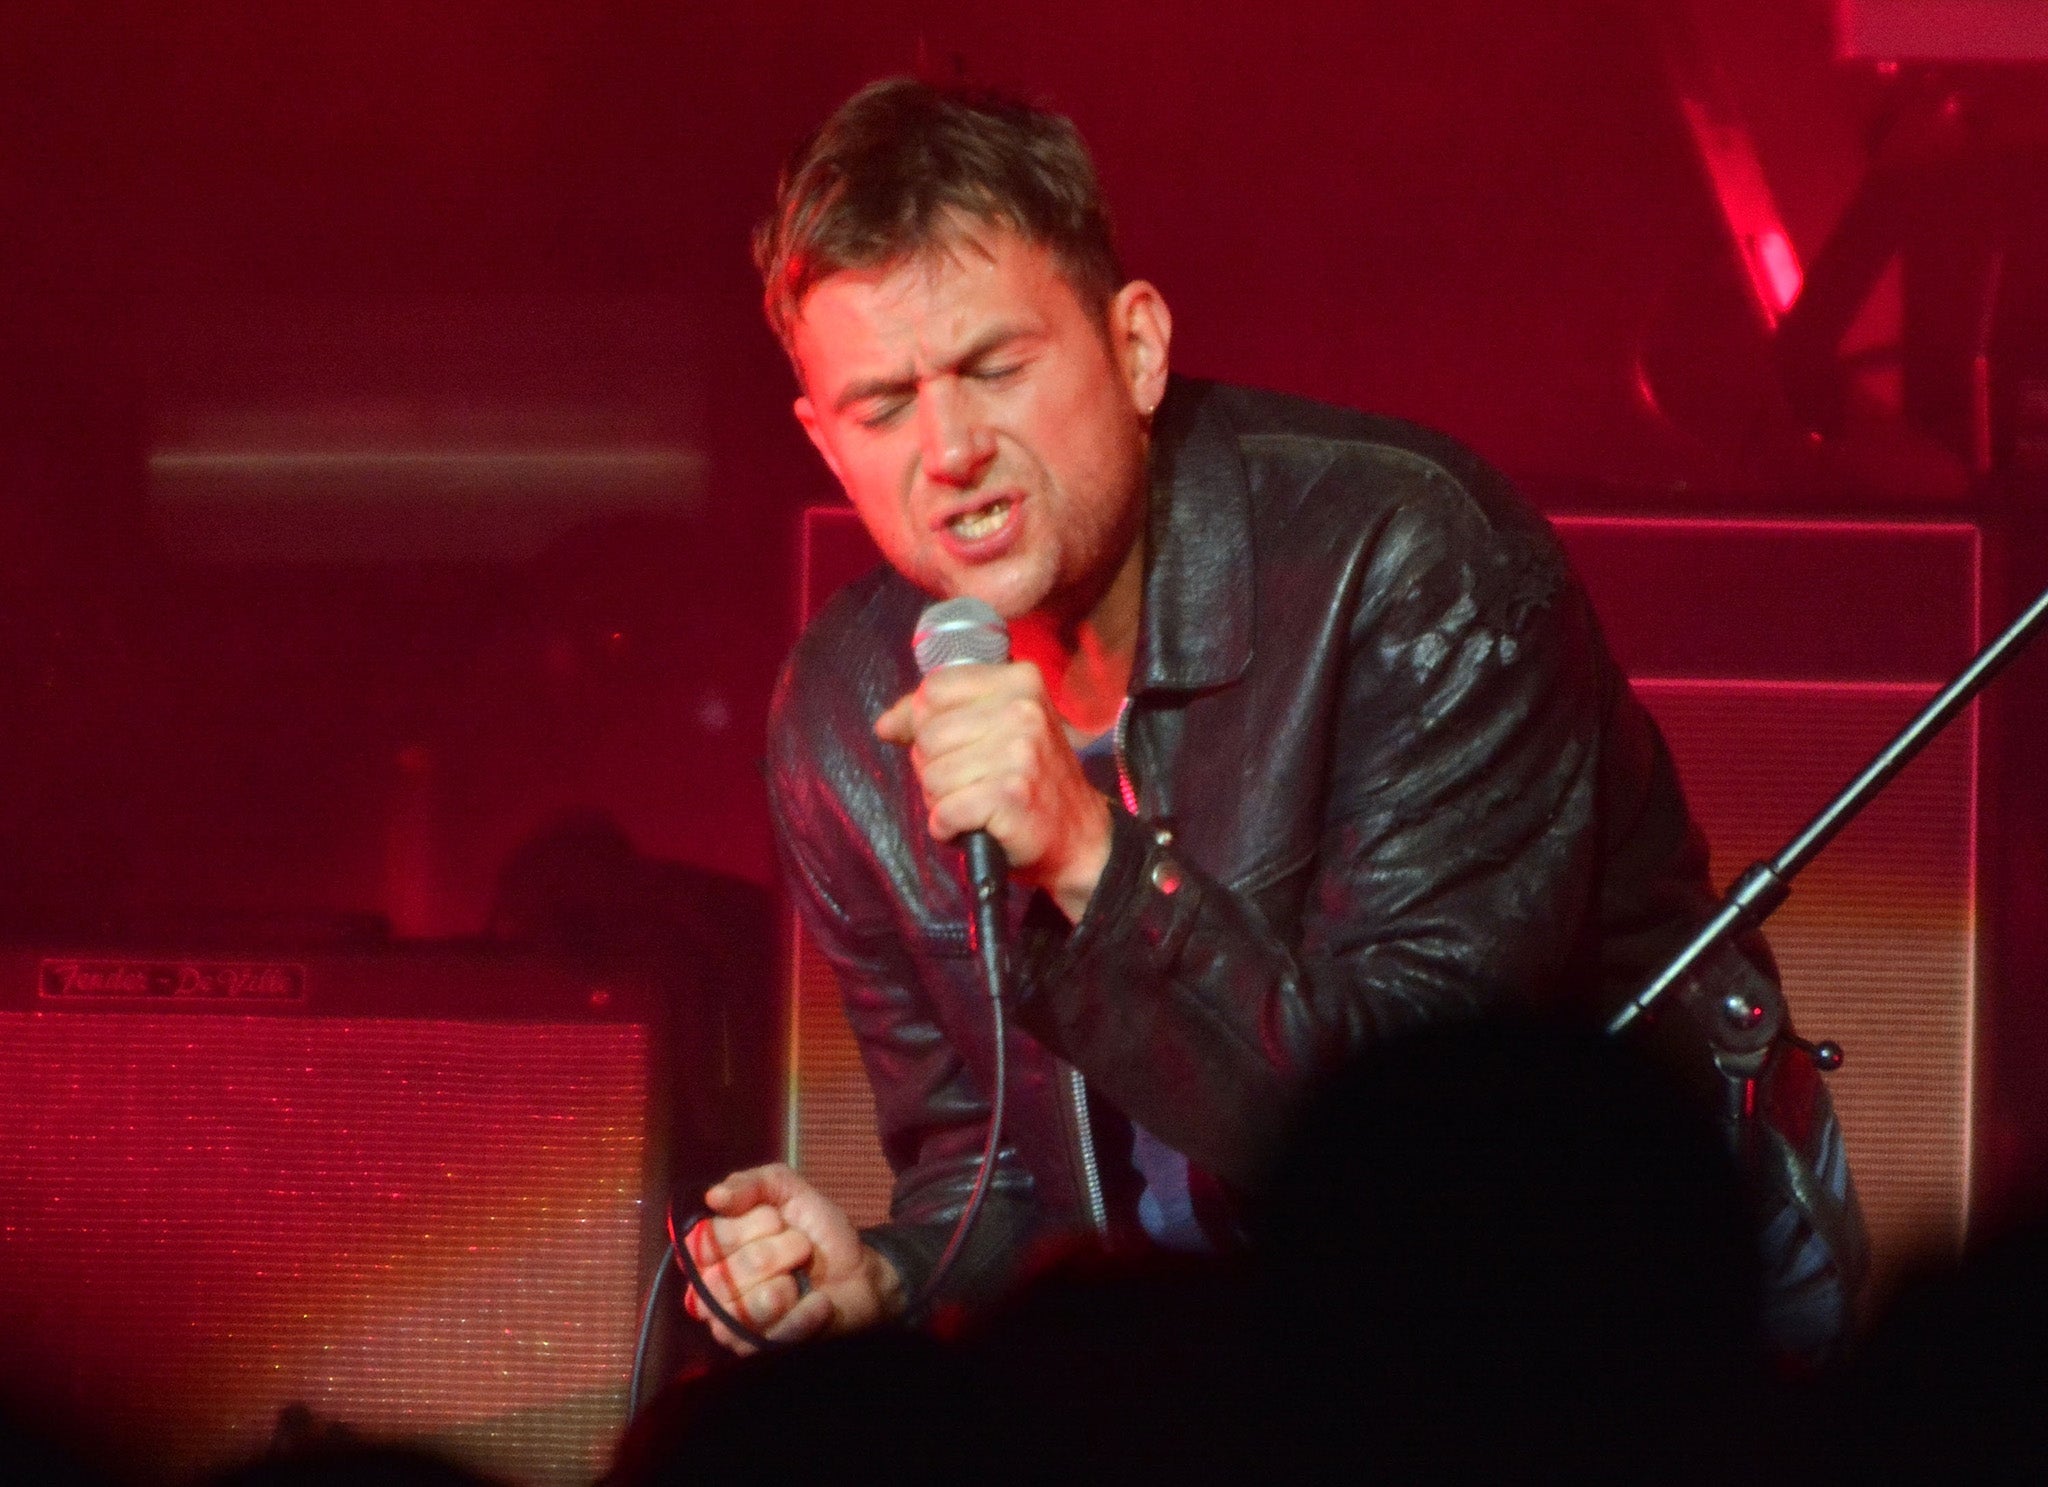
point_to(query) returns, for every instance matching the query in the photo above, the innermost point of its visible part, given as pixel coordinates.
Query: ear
(807, 416)
(1141, 334)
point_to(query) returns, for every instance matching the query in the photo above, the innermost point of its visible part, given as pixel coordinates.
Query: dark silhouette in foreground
(1501, 1249)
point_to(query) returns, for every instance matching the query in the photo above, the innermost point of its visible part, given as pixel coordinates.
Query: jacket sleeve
(932, 1115)
(1456, 863)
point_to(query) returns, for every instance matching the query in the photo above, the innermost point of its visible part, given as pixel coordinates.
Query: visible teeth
(975, 524)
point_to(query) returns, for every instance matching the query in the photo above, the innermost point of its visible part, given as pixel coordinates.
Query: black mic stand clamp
(1744, 1030)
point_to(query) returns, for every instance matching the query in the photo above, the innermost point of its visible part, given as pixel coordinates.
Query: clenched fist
(769, 1227)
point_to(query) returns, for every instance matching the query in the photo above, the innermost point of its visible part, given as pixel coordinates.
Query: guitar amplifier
(1778, 657)
(405, 1189)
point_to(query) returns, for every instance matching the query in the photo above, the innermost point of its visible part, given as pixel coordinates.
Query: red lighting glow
(1775, 265)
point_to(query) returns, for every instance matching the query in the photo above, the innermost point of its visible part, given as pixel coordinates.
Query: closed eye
(881, 413)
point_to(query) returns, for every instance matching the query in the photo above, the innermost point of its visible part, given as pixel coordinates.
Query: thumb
(898, 725)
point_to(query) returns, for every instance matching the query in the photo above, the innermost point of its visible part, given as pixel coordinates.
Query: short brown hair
(896, 169)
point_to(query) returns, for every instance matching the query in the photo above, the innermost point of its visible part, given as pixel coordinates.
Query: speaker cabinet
(404, 1190)
(1778, 657)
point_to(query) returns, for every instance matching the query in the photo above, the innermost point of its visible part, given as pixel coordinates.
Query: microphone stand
(1747, 1043)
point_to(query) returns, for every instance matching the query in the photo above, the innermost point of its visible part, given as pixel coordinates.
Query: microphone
(968, 632)
(963, 632)
(960, 632)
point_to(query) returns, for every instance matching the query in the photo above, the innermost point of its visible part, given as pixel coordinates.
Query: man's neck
(1087, 666)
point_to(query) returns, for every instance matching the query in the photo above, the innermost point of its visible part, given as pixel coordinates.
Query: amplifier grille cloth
(417, 1227)
(832, 1109)
(1875, 944)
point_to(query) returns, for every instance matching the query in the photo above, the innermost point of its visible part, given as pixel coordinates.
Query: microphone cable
(915, 1312)
(648, 1311)
(958, 631)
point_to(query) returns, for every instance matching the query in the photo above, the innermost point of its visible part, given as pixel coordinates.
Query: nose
(957, 443)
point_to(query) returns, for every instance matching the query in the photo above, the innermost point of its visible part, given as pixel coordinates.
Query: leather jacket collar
(1196, 631)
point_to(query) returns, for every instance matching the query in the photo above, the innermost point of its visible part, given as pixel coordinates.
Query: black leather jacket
(1386, 773)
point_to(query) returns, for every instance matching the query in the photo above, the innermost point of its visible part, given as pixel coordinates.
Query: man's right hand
(768, 1227)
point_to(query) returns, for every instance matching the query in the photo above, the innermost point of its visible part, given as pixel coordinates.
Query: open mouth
(983, 521)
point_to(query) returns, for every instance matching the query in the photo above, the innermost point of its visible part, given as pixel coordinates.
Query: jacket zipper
(1119, 736)
(1084, 1132)
(1077, 1087)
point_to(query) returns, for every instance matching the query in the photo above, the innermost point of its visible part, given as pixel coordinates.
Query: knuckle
(757, 1313)
(766, 1304)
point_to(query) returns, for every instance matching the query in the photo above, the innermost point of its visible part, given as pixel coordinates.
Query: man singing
(1309, 738)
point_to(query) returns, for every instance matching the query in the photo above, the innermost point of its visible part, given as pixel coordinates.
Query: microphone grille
(954, 632)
